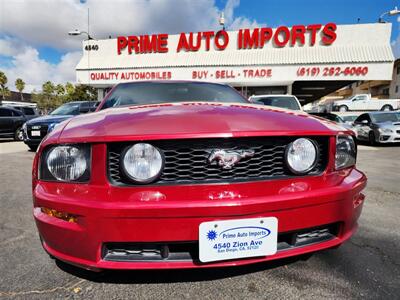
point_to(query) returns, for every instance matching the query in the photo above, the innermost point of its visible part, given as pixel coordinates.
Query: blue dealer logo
(211, 235)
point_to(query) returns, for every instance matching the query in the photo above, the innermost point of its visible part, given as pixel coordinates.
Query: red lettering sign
(255, 38)
(155, 43)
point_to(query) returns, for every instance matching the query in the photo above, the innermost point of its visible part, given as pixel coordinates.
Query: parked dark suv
(35, 130)
(11, 121)
(29, 112)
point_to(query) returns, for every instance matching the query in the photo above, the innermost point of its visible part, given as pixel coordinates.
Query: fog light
(358, 199)
(59, 214)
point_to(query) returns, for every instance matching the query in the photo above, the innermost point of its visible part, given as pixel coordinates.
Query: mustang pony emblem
(228, 158)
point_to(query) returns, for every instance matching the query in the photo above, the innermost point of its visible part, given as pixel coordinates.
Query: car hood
(190, 120)
(48, 119)
(389, 125)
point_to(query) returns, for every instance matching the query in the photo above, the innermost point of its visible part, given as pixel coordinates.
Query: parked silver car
(378, 127)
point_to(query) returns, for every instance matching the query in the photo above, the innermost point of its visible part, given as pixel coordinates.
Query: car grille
(42, 128)
(186, 160)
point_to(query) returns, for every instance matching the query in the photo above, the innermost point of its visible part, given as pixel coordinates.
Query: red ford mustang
(190, 175)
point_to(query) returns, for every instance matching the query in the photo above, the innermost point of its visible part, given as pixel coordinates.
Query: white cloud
(27, 25)
(47, 22)
(235, 23)
(27, 64)
(396, 47)
(11, 46)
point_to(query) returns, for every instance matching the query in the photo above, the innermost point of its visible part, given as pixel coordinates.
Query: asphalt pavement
(367, 266)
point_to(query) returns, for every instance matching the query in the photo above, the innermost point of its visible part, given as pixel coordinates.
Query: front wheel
(372, 139)
(19, 134)
(343, 108)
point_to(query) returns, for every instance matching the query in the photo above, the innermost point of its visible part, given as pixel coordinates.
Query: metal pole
(88, 51)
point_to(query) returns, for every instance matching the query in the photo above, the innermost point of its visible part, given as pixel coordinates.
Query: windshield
(385, 117)
(349, 118)
(66, 109)
(330, 117)
(167, 92)
(283, 102)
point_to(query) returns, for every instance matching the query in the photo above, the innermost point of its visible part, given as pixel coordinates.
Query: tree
(69, 88)
(20, 85)
(84, 92)
(48, 88)
(60, 90)
(3, 86)
(5, 92)
(53, 96)
(46, 100)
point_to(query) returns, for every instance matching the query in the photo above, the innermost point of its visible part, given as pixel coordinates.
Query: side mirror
(84, 109)
(94, 106)
(364, 122)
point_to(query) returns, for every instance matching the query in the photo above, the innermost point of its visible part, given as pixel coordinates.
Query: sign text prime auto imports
(243, 39)
(246, 39)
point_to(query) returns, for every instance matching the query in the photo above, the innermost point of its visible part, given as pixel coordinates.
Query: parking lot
(368, 266)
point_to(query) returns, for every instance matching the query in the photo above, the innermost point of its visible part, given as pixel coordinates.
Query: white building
(308, 61)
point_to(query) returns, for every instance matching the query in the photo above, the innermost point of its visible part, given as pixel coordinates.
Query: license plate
(232, 239)
(35, 133)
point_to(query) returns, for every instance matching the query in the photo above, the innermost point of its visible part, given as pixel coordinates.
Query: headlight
(51, 126)
(385, 130)
(66, 163)
(346, 152)
(24, 129)
(301, 156)
(142, 162)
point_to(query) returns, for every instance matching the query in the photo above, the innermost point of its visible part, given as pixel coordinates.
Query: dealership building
(309, 61)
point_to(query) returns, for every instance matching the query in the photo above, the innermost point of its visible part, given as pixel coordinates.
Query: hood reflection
(147, 196)
(223, 195)
(295, 187)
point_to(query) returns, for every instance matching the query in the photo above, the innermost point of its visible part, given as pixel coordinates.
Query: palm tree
(48, 88)
(20, 85)
(3, 89)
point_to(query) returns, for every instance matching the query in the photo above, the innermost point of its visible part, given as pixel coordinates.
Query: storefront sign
(255, 38)
(245, 74)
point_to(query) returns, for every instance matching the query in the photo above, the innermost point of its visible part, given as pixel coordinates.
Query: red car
(191, 175)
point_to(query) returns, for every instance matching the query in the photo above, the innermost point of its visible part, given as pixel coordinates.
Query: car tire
(343, 108)
(33, 147)
(371, 138)
(19, 134)
(387, 107)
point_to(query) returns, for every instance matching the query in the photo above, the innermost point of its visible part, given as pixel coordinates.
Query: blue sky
(34, 44)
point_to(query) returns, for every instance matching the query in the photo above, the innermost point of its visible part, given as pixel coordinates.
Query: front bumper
(172, 214)
(32, 142)
(389, 137)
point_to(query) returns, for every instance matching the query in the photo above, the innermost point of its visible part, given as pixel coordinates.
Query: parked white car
(364, 102)
(283, 101)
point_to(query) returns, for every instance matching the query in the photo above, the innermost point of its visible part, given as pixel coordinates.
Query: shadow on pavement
(175, 275)
(365, 143)
(7, 140)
